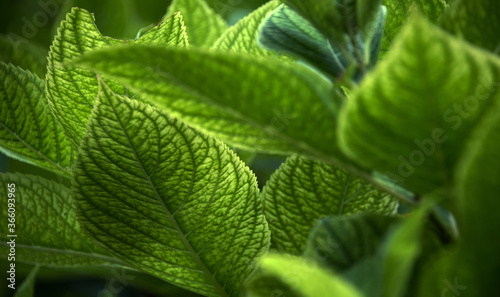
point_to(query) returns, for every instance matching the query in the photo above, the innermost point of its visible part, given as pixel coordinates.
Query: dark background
(122, 19)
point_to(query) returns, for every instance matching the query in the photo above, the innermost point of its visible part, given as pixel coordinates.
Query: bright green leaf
(242, 37)
(28, 131)
(167, 199)
(27, 287)
(274, 107)
(302, 191)
(286, 31)
(18, 51)
(72, 91)
(286, 275)
(342, 241)
(477, 21)
(47, 230)
(398, 12)
(411, 117)
(203, 25)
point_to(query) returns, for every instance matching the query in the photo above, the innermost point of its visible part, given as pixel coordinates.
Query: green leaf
(27, 287)
(167, 199)
(477, 189)
(340, 242)
(203, 25)
(274, 107)
(242, 37)
(18, 51)
(72, 91)
(367, 11)
(28, 131)
(47, 230)
(286, 275)
(302, 191)
(478, 22)
(286, 31)
(449, 86)
(398, 12)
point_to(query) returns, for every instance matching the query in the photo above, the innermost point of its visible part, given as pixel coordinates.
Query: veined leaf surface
(167, 199)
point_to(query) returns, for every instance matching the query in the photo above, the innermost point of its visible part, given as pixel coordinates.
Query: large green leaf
(246, 101)
(27, 287)
(477, 21)
(398, 12)
(46, 227)
(340, 242)
(18, 51)
(242, 37)
(167, 199)
(203, 25)
(286, 275)
(72, 91)
(28, 131)
(479, 206)
(411, 117)
(302, 191)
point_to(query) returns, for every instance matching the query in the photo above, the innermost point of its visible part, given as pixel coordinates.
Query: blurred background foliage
(35, 23)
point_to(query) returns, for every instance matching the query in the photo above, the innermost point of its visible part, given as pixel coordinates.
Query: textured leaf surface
(27, 287)
(477, 21)
(28, 131)
(302, 191)
(18, 51)
(286, 31)
(398, 12)
(168, 200)
(285, 275)
(203, 25)
(340, 242)
(47, 230)
(72, 91)
(412, 115)
(479, 206)
(274, 107)
(242, 37)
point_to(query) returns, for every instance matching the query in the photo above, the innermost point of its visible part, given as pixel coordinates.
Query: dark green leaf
(27, 287)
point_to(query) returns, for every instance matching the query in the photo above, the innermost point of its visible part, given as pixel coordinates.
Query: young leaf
(477, 189)
(449, 86)
(203, 25)
(301, 191)
(19, 52)
(167, 199)
(242, 37)
(47, 230)
(366, 11)
(478, 22)
(274, 107)
(71, 91)
(28, 131)
(27, 287)
(397, 14)
(340, 242)
(286, 275)
(286, 31)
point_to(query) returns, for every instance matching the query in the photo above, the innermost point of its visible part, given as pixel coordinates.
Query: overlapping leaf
(27, 287)
(47, 230)
(167, 199)
(28, 131)
(398, 12)
(477, 21)
(302, 191)
(18, 51)
(71, 91)
(242, 37)
(203, 25)
(285, 275)
(411, 117)
(273, 107)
